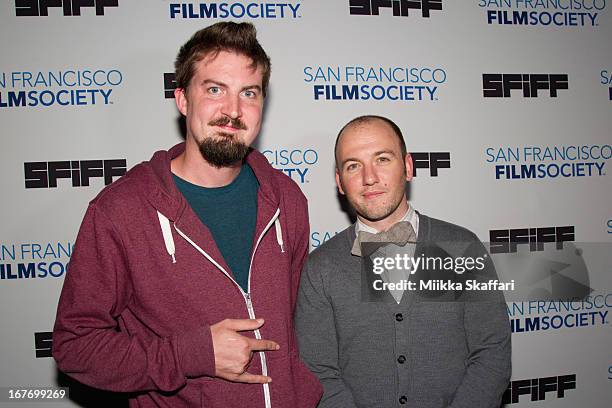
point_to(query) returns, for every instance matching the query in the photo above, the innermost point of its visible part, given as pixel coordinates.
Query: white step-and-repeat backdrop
(506, 106)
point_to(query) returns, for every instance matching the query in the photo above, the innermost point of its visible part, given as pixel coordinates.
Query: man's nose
(232, 106)
(370, 176)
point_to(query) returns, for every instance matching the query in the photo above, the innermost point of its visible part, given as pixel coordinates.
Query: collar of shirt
(411, 216)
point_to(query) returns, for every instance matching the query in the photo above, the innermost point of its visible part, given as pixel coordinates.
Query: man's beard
(224, 151)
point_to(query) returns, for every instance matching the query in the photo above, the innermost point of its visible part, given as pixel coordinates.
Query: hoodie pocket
(219, 393)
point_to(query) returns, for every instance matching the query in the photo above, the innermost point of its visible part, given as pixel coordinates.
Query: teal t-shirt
(230, 213)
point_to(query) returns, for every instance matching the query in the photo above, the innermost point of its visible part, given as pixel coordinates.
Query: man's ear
(409, 166)
(339, 183)
(180, 98)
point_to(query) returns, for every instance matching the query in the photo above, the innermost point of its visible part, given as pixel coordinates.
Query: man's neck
(191, 166)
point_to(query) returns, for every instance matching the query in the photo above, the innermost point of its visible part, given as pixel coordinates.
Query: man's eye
(383, 159)
(214, 90)
(250, 94)
(351, 167)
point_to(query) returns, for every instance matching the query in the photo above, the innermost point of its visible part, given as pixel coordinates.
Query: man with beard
(184, 277)
(396, 347)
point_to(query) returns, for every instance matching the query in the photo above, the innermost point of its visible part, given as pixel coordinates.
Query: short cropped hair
(240, 38)
(365, 119)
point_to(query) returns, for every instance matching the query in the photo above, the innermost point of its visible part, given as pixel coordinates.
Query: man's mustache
(224, 121)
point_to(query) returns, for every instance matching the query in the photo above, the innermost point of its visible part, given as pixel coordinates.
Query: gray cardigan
(415, 354)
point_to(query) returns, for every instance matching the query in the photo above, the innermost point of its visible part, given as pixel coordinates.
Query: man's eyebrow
(256, 87)
(212, 81)
(378, 153)
(348, 160)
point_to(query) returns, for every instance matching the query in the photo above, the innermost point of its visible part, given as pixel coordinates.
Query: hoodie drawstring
(164, 223)
(279, 234)
(167, 233)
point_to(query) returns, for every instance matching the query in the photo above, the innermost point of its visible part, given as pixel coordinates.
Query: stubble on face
(375, 210)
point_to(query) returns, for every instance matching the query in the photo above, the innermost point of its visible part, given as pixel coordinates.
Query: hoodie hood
(156, 183)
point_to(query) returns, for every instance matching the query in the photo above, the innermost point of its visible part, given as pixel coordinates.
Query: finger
(253, 378)
(243, 324)
(262, 345)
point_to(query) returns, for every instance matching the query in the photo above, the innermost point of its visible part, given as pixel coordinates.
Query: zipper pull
(247, 297)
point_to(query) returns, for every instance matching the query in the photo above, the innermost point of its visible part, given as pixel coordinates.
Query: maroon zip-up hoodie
(136, 307)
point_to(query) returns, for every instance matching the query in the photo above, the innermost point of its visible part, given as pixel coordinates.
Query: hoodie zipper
(246, 296)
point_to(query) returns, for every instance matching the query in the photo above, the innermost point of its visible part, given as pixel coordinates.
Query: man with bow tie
(395, 348)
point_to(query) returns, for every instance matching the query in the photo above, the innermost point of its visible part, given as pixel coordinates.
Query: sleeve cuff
(196, 352)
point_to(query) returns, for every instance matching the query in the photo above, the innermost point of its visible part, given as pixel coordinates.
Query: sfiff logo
(501, 85)
(169, 84)
(503, 241)
(43, 343)
(430, 160)
(539, 388)
(47, 174)
(40, 8)
(400, 8)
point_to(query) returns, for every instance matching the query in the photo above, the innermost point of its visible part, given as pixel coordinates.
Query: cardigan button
(399, 317)
(403, 399)
(401, 359)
